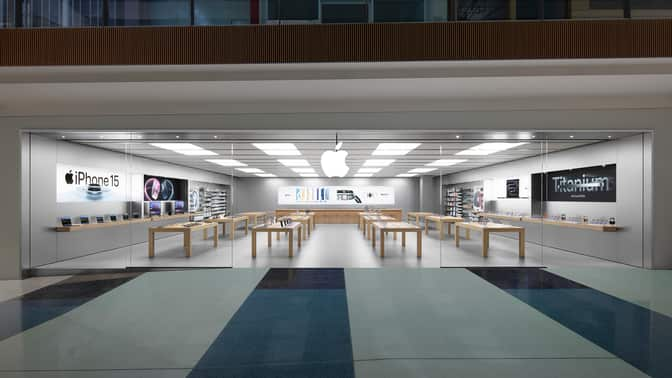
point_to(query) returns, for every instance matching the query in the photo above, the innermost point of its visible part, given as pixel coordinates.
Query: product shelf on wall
(215, 202)
(458, 201)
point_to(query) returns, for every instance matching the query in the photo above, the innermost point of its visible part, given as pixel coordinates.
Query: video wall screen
(336, 195)
(157, 188)
(587, 184)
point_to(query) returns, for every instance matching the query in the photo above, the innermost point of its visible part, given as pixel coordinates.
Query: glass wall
(74, 13)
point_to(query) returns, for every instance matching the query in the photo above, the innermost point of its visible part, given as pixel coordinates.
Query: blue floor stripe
(635, 334)
(285, 328)
(42, 305)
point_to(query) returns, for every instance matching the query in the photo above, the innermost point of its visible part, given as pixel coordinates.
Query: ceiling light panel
(445, 162)
(303, 170)
(278, 149)
(268, 175)
(227, 162)
(407, 175)
(294, 162)
(369, 170)
(184, 149)
(392, 149)
(250, 170)
(378, 162)
(489, 148)
(421, 170)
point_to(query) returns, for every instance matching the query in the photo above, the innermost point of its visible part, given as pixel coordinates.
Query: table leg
(187, 243)
(419, 246)
(382, 243)
(254, 243)
(270, 233)
(233, 230)
(277, 235)
(403, 238)
(521, 243)
(216, 237)
(247, 223)
(440, 230)
(449, 227)
(150, 240)
(394, 235)
(223, 229)
(457, 235)
(486, 238)
(426, 228)
(373, 241)
(205, 234)
(308, 227)
(468, 235)
(301, 231)
(291, 243)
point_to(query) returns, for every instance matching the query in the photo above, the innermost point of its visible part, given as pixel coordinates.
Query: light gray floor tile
(158, 320)
(449, 313)
(648, 288)
(15, 288)
(154, 373)
(503, 368)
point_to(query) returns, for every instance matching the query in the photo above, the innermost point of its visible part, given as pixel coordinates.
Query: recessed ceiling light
(250, 170)
(309, 175)
(489, 148)
(226, 162)
(407, 175)
(369, 170)
(294, 162)
(457, 137)
(266, 175)
(363, 175)
(395, 148)
(421, 170)
(445, 162)
(216, 137)
(62, 136)
(177, 137)
(278, 149)
(378, 162)
(303, 170)
(184, 149)
(609, 136)
(571, 136)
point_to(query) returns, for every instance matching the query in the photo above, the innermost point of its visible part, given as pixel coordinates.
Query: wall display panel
(82, 184)
(589, 184)
(158, 188)
(335, 195)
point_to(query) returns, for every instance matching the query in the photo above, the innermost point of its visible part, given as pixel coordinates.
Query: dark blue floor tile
(42, 305)
(284, 333)
(635, 334)
(524, 278)
(303, 278)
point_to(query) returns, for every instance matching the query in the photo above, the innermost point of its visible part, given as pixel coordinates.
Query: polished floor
(335, 322)
(331, 245)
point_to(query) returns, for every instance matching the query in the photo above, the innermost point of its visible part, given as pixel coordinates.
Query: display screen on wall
(589, 184)
(158, 188)
(82, 184)
(335, 195)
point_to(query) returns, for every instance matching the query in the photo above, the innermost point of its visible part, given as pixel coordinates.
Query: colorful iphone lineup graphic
(311, 194)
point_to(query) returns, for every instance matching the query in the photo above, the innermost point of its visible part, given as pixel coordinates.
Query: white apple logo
(333, 163)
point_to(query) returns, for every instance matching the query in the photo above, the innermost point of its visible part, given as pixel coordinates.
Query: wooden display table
(186, 229)
(403, 227)
(441, 220)
(304, 220)
(360, 225)
(232, 220)
(254, 217)
(554, 222)
(370, 219)
(93, 226)
(486, 229)
(338, 216)
(276, 227)
(417, 215)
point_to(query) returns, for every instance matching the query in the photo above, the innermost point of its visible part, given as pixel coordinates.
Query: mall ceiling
(238, 145)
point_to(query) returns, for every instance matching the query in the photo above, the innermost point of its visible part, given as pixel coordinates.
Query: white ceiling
(359, 145)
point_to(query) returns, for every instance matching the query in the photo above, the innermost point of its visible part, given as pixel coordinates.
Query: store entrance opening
(118, 200)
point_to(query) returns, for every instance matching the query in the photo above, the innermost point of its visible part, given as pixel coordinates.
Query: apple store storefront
(119, 200)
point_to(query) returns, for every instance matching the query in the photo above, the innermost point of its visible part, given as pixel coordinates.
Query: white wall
(626, 246)
(46, 245)
(260, 194)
